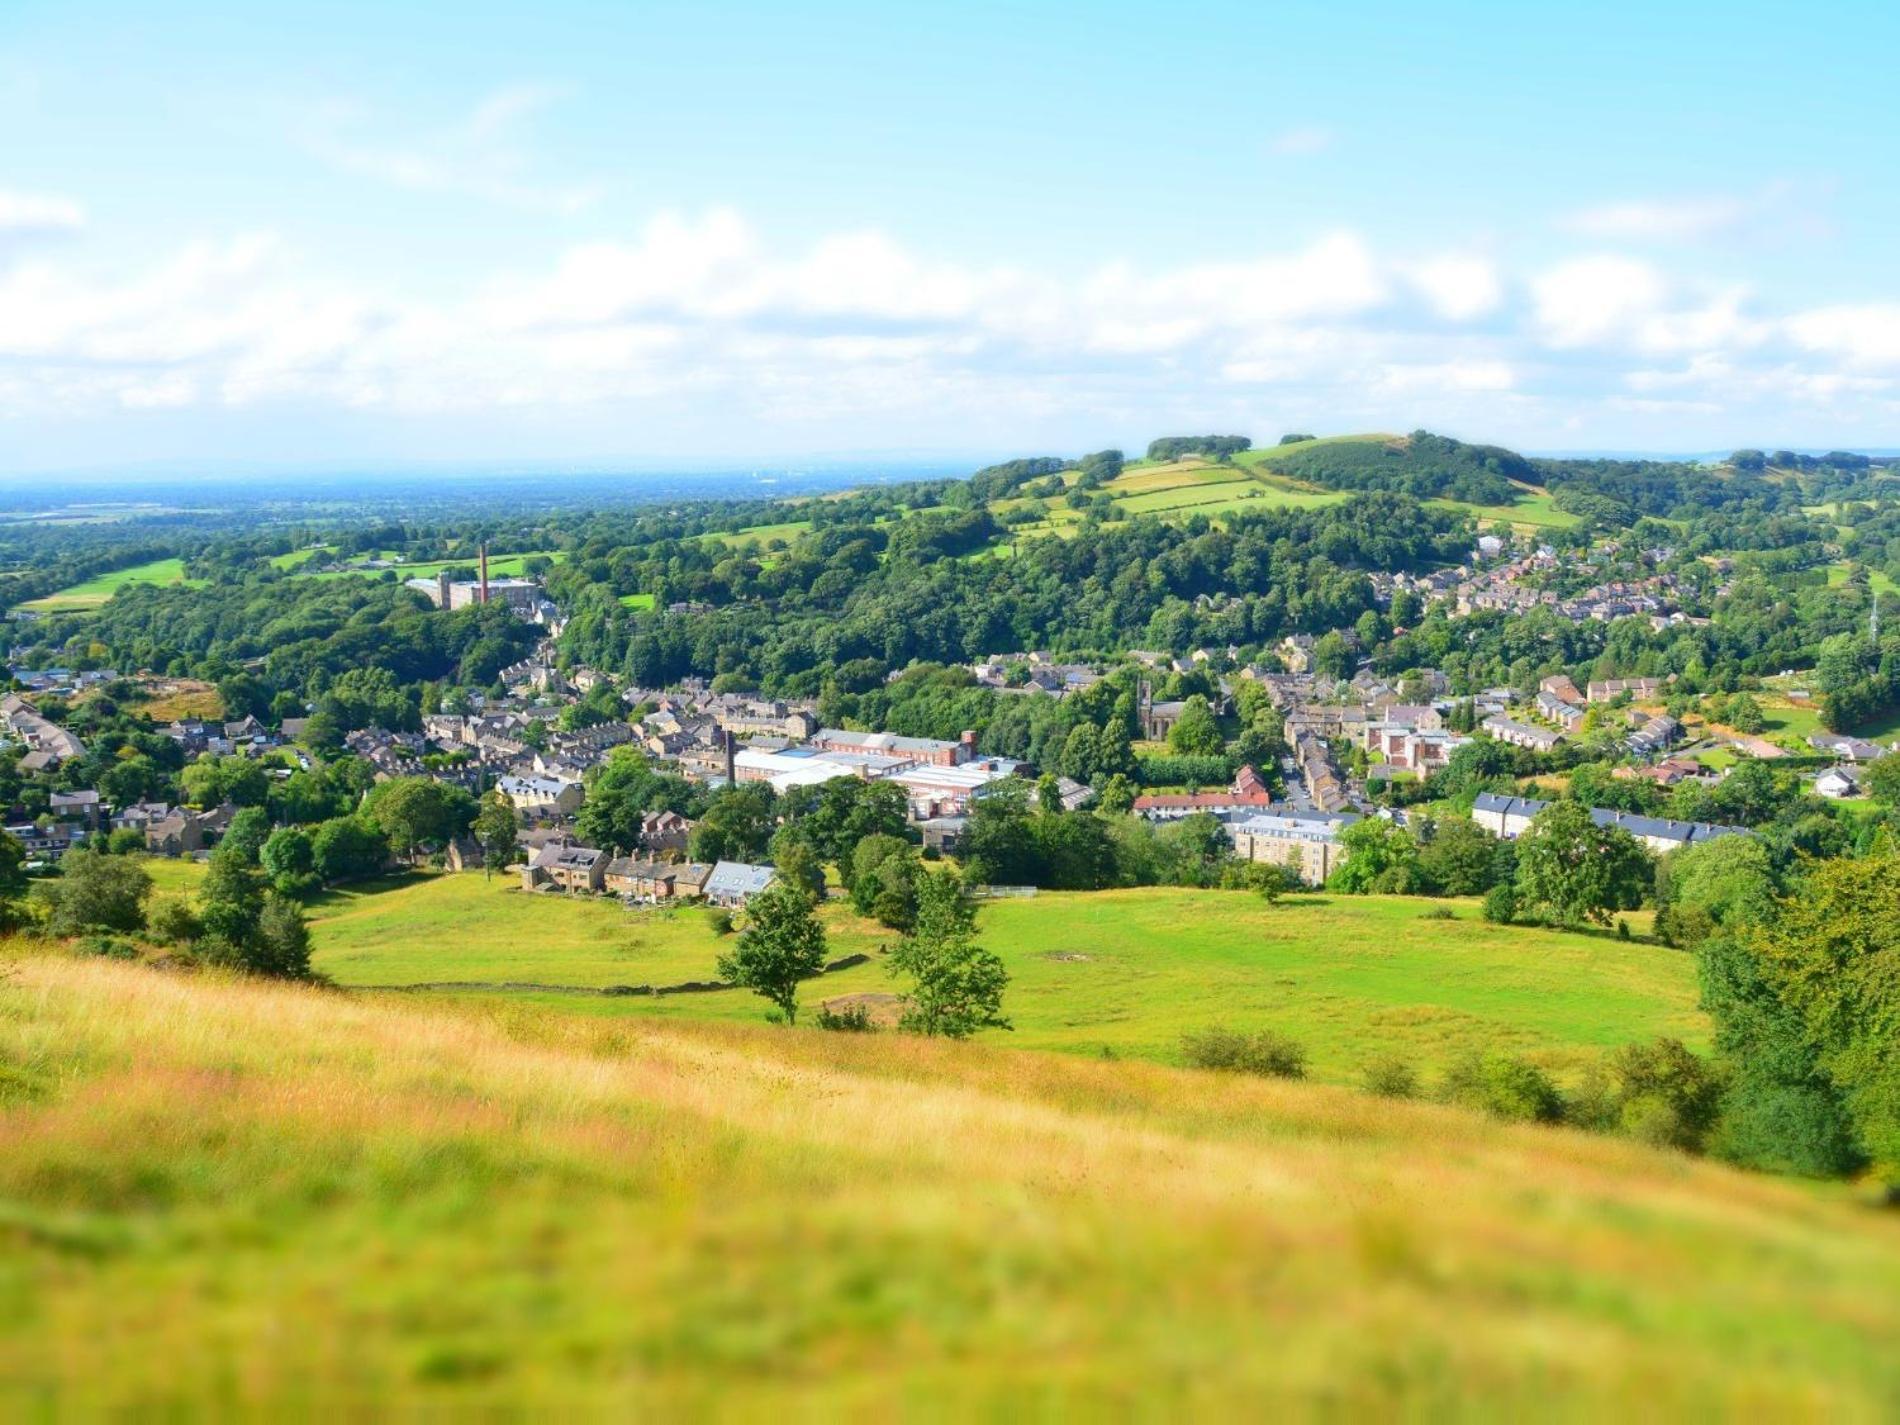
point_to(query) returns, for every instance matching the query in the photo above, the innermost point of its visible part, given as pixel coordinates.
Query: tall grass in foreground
(230, 1198)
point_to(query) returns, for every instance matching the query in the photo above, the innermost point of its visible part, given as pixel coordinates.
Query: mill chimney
(484, 589)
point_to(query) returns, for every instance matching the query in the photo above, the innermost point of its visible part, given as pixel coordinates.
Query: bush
(1505, 1087)
(1665, 1095)
(1266, 1053)
(174, 922)
(852, 1019)
(719, 919)
(1500, 905)
(109, 947)
(1389, 1076)
(1439, 912)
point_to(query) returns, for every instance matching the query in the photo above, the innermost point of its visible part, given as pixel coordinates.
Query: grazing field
(1127, 971)
(427, 929)
(1535, 510)
(97, 590)
(500, 566)
(222, 1200)
(1877, 580)
(637, 601)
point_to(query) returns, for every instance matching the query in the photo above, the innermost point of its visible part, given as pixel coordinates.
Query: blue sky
(303, 236)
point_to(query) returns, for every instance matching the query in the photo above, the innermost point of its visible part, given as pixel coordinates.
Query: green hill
(1420, 464)
(229, 1200)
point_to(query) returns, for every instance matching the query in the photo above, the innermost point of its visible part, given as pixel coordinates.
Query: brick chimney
(732, 774)
(484, 589)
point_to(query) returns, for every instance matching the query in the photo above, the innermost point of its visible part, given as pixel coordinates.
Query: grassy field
(95, 591)
(637, 601)
(1878, 581)
(226, 1200)
(500, 566)
(1126, 971)
(1534, 511)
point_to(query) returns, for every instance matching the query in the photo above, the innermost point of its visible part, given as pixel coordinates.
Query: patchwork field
(500, 566)
(224, 1200)
(1122, 971)
(95, 591)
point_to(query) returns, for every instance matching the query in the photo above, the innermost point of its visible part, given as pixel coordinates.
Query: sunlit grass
(222, 1199)
(1129, 971)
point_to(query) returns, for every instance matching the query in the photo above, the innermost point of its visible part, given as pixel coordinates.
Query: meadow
(224, 1199)
(500, 566)
(1126, 972)
(96, 590)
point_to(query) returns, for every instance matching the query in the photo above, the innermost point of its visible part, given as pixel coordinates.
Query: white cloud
(1866, 335)
(38, 213)
(703, 313)
(1677, 220)
(1473, 375)
(476, 156)
(1458, 286)
(1301, 141)
(1593, 299)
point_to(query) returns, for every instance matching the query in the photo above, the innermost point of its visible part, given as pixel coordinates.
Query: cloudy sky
(319, 235)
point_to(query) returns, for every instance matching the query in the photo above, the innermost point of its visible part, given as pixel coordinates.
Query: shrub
(109, 947)
(719, 919)
(852, 1019)
(1505, 1087)
(1439, 912)
(1389, 1076)
(1665, 1095)
(1500, 905)
(173, 922)
(1265, 1053)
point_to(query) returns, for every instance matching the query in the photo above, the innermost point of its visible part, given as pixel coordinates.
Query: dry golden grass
(221, 1198)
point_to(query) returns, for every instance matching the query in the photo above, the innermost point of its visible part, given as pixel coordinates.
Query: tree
(1702, 890)
(797, 864)
(212, 781)
(1117, 795)
(347, 849)
(782, 943)
(97, 892)
(1781, 1112)
(1883, 779)
(1458, 860)
(231, 901)
(1745, 714)
(1576, 870)
(1195, 733)
(736, 825)
(1833, 956)
(246, 834)
(494, 829)
(1379, 857)
(621, 794)
(281, 946)
(956, 985)
(417, 811)
(290, 860)
(884, 880)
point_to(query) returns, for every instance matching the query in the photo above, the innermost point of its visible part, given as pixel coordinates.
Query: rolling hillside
(221, 1199)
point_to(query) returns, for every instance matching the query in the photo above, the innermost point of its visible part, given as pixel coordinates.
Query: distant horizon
(920, 465)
